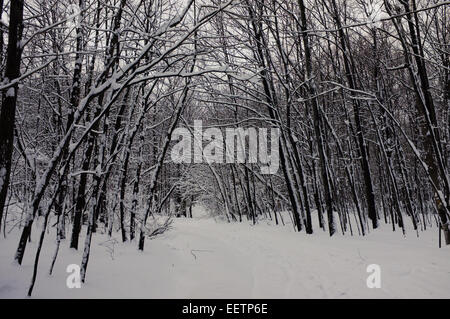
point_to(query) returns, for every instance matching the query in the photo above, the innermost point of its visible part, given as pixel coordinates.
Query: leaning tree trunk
(430, 128)
(425, 107)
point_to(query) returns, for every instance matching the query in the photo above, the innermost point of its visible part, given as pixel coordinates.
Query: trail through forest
(207, 258)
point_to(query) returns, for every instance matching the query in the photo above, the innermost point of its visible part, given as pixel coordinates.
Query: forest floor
(204, 258)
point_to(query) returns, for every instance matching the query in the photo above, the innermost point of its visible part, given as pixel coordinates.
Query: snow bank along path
(202, 258)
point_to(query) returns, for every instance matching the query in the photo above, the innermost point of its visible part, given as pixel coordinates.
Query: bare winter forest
(94, 91)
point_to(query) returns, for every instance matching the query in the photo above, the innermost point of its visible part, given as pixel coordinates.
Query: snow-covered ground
(202, 258)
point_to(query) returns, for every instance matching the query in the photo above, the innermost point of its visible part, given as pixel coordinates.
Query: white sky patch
(376, 14)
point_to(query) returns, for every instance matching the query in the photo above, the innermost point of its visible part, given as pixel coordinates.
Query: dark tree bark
(318, 127)
(80, 204)
(8, 109)
(350, 72)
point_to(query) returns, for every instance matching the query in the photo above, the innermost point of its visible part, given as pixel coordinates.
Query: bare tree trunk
(349, 70)
(8, 109)
(318, 127)
(80, 204)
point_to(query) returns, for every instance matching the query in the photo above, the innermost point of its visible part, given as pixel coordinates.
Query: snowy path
(200, 258)
(284, 264)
